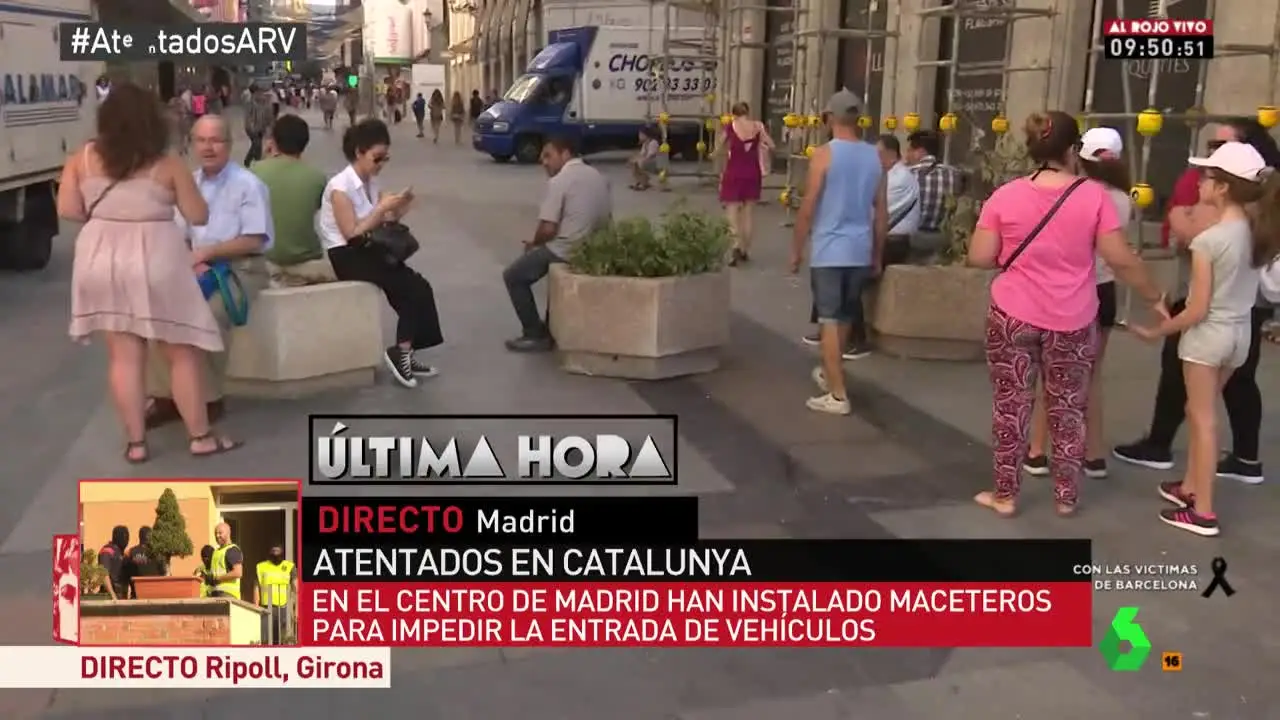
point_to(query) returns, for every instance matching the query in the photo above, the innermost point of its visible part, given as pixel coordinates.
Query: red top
(1186, 192)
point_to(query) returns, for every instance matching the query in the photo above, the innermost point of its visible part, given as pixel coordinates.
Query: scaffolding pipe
(953, 72)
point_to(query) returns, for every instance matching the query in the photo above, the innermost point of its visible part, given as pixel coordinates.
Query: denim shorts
(837, 292)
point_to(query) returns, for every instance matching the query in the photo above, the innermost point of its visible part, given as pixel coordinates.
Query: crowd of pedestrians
(1056, 239)
(1057, 242)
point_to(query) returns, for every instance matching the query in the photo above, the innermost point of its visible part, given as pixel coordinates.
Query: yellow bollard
(1142, 195)
(1150, 122)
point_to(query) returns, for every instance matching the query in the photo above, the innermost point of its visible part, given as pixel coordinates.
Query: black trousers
(1241, 395)
(255, 150)
(408, 293)
(897, 249)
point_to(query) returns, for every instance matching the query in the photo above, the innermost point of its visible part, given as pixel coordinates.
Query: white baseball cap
(1101, 142)
(1234, 158)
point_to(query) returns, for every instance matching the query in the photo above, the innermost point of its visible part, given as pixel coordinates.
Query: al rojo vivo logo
(1125, 629)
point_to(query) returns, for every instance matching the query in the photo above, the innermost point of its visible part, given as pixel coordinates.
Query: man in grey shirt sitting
(576, 204)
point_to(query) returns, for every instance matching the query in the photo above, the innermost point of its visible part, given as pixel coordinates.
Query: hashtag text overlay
(242, 43)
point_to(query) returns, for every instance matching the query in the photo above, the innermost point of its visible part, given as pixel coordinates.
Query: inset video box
(517, 450)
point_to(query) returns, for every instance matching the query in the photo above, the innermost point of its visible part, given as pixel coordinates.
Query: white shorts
(1223, 345)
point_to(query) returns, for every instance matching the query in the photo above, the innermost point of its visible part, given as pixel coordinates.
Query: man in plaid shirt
(938, 181)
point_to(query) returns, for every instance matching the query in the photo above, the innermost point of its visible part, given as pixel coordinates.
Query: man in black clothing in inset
(111, 557)
(139, 562)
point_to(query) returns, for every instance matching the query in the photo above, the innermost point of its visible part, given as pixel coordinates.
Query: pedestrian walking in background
(457, 116)
(257, 122)
(842, 220)
(1042, 232)
(741, 144)
(475, 106)
(419, 112)
(436, 108)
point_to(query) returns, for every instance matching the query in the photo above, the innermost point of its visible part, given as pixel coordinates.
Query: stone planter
(167, 588)
(932, 312)
(639, 328)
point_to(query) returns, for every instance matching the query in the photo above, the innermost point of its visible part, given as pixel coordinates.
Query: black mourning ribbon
(1219, 567)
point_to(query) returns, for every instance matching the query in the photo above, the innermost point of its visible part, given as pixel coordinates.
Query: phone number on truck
(686, 84)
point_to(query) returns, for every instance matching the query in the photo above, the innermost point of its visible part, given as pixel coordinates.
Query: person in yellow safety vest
(202, 571)
(227, 566)
(275, 585)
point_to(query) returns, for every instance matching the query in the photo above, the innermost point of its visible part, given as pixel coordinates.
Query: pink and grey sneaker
(1188, 519)
(1173, 492)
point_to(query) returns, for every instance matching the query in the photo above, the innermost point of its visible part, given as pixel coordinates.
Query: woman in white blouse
(354, 205)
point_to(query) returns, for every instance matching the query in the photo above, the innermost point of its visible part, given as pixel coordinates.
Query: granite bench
(303, 340)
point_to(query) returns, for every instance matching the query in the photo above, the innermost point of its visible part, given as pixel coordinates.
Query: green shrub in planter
(93, 577)
(684, 242)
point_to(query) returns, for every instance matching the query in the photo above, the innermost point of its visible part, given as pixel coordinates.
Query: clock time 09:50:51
(1157, 47)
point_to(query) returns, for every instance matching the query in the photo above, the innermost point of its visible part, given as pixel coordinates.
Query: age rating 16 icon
(1124, 630)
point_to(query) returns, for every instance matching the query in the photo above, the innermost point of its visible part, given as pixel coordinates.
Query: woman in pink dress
(742, 145)
(133, 280)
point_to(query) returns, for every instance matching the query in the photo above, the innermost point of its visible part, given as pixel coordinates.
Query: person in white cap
(1225, 263)
(1100, 150)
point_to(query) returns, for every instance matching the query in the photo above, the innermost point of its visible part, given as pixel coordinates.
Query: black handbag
(393, 240)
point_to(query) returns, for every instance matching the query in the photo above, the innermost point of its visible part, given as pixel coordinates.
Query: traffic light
(353, 81)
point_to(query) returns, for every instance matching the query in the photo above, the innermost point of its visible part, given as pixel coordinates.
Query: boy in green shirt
(296, 189)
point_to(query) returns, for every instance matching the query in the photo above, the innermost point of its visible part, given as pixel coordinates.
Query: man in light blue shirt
(239, 231)
(844, 220)
(903, 198)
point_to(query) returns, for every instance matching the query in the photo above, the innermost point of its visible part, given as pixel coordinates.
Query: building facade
(1011, 57)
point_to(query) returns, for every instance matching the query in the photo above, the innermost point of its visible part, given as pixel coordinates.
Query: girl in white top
(1216, 326)
(1100, 150)
(353, 206)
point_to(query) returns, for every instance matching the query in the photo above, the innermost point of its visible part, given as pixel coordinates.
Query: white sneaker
(829, 404)
(820, 379)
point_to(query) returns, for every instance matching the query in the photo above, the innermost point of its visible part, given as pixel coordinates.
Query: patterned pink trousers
(1017, 354)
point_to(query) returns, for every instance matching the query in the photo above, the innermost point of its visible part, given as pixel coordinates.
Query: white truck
(47, 109)
(600, 86)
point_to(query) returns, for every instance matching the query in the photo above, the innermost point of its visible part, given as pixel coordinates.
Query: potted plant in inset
(169, 539)
(93, 577)
(938, 311)
(644, 300)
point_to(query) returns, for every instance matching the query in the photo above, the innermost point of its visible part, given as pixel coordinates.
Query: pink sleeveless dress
(133, 272)
(742, 175)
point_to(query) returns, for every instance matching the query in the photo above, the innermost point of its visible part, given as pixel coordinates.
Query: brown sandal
(222, 445)
(1003, 508)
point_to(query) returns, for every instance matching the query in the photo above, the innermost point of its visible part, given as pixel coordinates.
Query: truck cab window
(558, 91)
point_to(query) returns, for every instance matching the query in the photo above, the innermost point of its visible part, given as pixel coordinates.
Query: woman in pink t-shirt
(1042, 233)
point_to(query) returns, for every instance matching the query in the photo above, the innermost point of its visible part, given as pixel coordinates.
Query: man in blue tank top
(844, 220)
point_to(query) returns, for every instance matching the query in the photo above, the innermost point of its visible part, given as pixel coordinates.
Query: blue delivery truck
(600, 86)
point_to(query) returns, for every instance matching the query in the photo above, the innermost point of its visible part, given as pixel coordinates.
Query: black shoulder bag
(393, 240)
(1043, 222)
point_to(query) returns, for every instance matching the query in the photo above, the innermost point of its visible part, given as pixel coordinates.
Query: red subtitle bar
(1157, 26)
(697, 614)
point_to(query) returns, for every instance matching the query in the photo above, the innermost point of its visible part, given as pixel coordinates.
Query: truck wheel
(528, 148)
(28, 245)
(501, 158)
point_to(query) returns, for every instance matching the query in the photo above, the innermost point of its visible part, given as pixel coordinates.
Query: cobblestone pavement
(903, 465)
